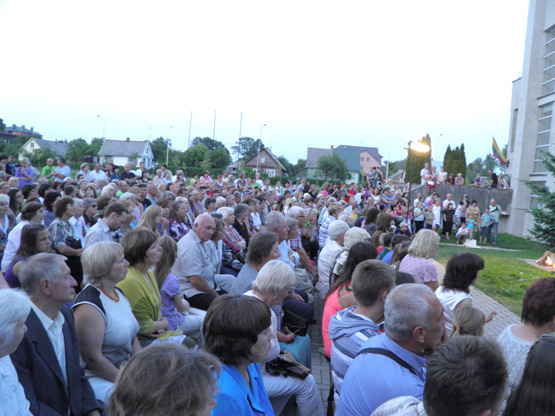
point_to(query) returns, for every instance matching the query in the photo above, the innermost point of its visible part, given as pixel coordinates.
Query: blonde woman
(154, 220)
(24, 173)
(424, 246)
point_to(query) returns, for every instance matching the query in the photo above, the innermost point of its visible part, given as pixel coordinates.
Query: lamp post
(168, 146)
(437, 139)
(103, 126)
(259, 143)
(417, 147)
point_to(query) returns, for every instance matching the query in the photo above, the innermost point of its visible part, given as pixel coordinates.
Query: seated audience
(14, 310)
(461, 272)
(263, 248)
(538, 317)
(466, 376)
(35, 239)
(535, 394)
(237, 330)
(340, 295)
(272, 285)
(114, 217)
(47, 360)
(166, 379)
(414, 323)
(423, 247)
(106, 327)
(468, 321)
(152, 219)
(372, 281)
(175, 308)
(328, 255)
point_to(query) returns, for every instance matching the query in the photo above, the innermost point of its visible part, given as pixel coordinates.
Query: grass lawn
(505, 277)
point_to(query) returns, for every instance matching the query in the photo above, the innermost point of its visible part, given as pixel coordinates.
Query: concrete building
(532, 101)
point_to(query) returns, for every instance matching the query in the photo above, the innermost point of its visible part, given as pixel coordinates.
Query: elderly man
(448, 200)
(123, 187)
(114, 217)
(372, 281)
(494, 211)
(62, 171)
(97, 174)
(48, 169)
(194, 267)
(334, 246)
(392, 364)
(467, 373)
(47, 360)
(152, 193)
(296, 244)
(127, 175)
(424, 173)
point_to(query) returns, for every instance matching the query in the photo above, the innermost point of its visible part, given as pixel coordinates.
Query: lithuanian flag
(497, 153)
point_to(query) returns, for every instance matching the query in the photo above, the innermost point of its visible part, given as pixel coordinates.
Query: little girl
(175, 308)
(468, 321)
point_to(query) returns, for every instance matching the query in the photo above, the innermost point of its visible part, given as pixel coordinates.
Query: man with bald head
(194, 267)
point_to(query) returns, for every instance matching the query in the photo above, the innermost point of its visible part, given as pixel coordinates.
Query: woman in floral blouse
(180, 222)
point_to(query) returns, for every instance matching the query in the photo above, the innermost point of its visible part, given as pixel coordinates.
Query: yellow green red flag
(497, 153)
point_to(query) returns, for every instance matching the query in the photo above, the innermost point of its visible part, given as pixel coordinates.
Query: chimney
(127, 139)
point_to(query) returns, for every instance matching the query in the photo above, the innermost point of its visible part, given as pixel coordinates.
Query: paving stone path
(320, 368)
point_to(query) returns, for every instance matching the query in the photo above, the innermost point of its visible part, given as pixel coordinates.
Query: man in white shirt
(47, 359)
(139, 172)
(97, 174)
(424, 173)
(114, 217)
(448, 201)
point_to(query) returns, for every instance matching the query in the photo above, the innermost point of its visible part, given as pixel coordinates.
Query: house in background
(34, 144)
(311, 168)
(266, 163)
(22, 131)
(120, 152)
(358, 159)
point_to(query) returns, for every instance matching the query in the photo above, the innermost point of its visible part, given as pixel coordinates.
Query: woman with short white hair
(423, 247)
(352, 236)
(326, 259)
(106, 327)
(14, 308)
(273, 284)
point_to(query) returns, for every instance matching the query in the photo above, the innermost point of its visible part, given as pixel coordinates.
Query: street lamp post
(168, 146)
(417, 147)
(103, 126)
(259, 143)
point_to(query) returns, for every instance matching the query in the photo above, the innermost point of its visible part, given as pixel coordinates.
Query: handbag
(296, 324)
(283, 366)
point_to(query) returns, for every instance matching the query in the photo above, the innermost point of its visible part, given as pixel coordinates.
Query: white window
(548, 85)
(262, 159)
(534, 199)
(271, 173)
(542, 139)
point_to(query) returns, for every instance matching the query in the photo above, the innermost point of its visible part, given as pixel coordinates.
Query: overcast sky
(316, 73)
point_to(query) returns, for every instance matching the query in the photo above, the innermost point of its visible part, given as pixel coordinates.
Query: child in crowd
(429, 217)
(485, 229)
(435, 228)
(175, 308)
(468, 321)
(462, 233)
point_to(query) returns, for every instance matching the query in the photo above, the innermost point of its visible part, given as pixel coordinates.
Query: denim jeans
(494, 232)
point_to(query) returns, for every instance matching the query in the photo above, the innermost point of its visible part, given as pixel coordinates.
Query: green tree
(95, 146)
(2, 125)
(333, 167)
(448, 160)
(247, 147)
(210, 144)
(194, 156)
(544, 211)
(286, 164)
(159, 148)
(220, 158)
(13, 147)
(39, 157)
(416, 161)
(76, 149)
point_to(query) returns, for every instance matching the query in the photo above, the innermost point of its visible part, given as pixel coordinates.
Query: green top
(47, 170)
(144, 298)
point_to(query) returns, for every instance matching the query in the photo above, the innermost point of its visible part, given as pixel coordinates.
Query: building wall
(529, 126)
(367, 161)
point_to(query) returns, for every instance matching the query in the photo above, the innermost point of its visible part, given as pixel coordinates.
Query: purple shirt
(169, 289)
(420, 268)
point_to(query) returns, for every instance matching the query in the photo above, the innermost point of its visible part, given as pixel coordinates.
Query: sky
(316, 73)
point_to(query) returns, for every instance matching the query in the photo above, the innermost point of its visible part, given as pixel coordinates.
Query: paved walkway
(320, 368)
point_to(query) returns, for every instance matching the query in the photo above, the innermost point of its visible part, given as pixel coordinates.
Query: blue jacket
(236, 398)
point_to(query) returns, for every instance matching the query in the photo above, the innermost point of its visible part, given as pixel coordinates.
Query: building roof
(123, 148)
(313, 154)
(60, 148)
(253, 159)
(351, 154)
(22, 131)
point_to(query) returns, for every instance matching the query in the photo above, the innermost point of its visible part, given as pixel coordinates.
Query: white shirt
(94, 175)
(447, 202)
(12, 397)
(55, 334)
(423, 173)
(98, 232)
(256, 221)
(78, 225)
(450, 299)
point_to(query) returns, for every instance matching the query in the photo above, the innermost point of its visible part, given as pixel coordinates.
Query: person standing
(61, 172)
(494, 211)
(424, 174)
(48, 169)
(494, 180)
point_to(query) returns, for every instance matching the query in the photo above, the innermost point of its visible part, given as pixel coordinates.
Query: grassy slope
(505, 277)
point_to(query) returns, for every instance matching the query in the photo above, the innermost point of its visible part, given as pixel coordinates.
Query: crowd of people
(129, 292)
